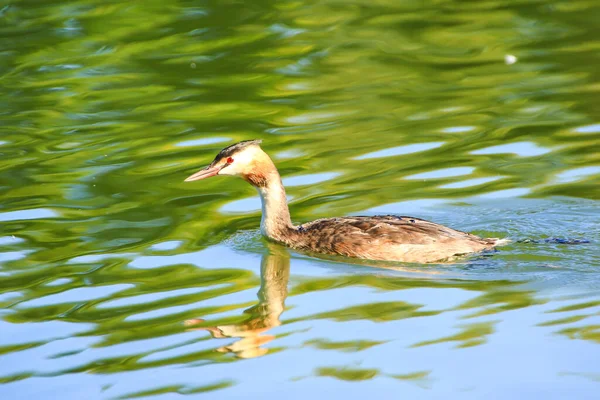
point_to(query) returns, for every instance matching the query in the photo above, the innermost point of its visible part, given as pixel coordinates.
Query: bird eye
(229, 160)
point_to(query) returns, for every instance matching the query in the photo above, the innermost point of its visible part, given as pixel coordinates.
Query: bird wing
(382, 229)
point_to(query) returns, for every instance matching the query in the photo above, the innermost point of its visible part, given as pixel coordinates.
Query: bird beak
(204, 173)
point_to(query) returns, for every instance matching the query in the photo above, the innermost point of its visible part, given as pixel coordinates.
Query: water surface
(117, 280)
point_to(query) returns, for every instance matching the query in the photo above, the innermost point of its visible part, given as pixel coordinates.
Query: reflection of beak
(204, 173)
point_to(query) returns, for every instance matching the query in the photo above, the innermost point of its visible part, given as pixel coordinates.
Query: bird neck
(276, 221)
(275, 212)
(275, 274)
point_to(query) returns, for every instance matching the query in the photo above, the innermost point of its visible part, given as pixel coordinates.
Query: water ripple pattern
(119, 281)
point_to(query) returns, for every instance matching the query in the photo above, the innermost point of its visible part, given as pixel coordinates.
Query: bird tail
(501, 242)
(498, 242)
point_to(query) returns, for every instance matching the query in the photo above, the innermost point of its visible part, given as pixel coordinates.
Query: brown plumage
(389, 237)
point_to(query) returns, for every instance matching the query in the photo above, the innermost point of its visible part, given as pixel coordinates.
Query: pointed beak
(204, 173)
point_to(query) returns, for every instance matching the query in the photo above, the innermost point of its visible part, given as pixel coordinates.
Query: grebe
(387, 237)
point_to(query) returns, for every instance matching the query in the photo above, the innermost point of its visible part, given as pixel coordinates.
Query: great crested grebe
(387, 237)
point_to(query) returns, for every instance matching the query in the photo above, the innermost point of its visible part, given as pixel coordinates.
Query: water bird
(384, 237)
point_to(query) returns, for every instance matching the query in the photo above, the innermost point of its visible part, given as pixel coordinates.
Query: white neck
(275, 212)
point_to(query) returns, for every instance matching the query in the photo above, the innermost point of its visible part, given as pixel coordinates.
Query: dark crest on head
(234, 148)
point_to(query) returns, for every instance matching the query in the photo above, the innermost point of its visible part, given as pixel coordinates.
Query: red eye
(229, 160)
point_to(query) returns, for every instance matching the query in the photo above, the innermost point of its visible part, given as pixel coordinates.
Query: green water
(118, 280)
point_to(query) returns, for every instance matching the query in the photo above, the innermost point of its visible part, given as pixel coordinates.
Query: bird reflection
(275, 274)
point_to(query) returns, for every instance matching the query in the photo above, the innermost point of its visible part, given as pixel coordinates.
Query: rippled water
(117, 280)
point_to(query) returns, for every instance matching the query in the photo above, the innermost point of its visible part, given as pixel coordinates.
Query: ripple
(244, 205)
(9, 296)
(145, 298)
(400, 150)
(408, 206)
(164, 311)
(177, 351)
(458, 129)
(11, 256)
(11, 334)
(59, 282)
(285, 31)
(34, 213)
(577, 174)
(522, 149)
(470, 182)
(309, 179)
(313, 117)
(285, 154)
(94, 258)
(442, 173)
(202, 141)
(241, 206)
(76, 295)
(128, 252)
(165, 246)
(55, 355)
(8, 240)
(595, 128)
(209, 258)
(516, 192)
